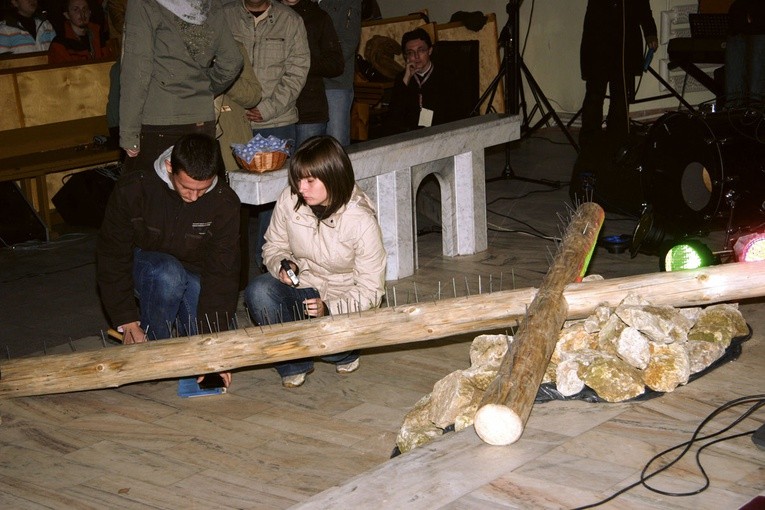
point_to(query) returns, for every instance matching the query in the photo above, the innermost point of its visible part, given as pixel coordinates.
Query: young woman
(324, 229)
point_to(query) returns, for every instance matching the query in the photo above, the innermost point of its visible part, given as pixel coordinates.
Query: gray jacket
(278, 50)
(161, 83)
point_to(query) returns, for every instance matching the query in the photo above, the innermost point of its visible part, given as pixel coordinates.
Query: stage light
(648, 235)
(750, 248)
(700, 173)
(687, 255)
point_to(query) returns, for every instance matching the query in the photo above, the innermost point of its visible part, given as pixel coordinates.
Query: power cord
(757, 402)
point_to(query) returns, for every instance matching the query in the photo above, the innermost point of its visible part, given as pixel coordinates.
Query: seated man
(23, 32)
(170, 238)
(81, 39)
(424, 94)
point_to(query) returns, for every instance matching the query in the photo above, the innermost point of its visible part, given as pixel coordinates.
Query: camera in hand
(288, 269)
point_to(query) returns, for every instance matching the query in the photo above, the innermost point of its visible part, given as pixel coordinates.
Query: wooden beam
(507, 401)
(114, 366)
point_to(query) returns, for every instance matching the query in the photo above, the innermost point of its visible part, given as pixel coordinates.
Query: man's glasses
(414, 53)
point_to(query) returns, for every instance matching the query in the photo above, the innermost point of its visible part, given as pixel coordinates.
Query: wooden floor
(328, 443)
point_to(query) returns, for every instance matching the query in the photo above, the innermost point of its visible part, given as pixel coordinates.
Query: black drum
(697, 168)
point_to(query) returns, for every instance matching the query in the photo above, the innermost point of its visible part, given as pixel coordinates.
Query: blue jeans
(339, 125)
(306, 131)
(287, 132)
(167, 292)
(270, 301)
(744, 71)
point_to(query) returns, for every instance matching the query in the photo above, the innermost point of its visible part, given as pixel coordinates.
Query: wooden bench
(30, 154)
(23, 60)
(50, 116)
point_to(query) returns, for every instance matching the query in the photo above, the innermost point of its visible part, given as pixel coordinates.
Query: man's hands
(253, 115)
(226, 376)
(653, 42)
(132, 333)
(408, 72)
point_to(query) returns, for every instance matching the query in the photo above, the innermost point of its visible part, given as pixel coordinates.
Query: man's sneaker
(293, 381)
(347, 368)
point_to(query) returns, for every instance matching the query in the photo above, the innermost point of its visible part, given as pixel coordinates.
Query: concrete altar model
(391, 169)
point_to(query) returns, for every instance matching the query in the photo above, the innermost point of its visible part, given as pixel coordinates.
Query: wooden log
(507, 401)
(497, 311)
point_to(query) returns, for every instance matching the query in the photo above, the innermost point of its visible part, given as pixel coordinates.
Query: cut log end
(498, 425)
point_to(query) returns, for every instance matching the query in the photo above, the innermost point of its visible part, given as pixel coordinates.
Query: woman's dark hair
(196, 154)
(323, 158)
(417, 33)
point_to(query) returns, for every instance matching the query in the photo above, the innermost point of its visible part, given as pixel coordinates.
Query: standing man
(23, 32)
(276, 42)
(611, 55)
(346, 18)
(170, 239)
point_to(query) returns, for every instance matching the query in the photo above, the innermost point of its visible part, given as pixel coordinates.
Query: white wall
(552, 48)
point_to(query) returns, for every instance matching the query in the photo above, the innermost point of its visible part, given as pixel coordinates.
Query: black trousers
(617, 121)
(156, 139)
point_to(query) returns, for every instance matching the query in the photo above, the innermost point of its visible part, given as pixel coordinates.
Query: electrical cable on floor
(48, 245)
(757, 400)
(497, 228)
(541, 234)
(548, 139)
(518, 197)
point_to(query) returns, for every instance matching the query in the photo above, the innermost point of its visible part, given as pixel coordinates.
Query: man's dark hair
(196, 154)
(417, 33)
(323, 158)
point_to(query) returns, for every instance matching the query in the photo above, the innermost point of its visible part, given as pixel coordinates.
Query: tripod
(512, 70)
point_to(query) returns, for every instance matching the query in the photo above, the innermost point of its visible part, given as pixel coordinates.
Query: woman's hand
(284, 277)
(315, 307)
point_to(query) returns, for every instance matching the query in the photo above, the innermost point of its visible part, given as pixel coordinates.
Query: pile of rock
(617, 352)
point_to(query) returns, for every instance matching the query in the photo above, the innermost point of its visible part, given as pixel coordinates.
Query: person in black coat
(611, 55)
(326, 62)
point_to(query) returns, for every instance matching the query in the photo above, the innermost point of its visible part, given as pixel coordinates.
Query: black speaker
(82, 199)
(18, 220)
(609, 173)
(462, 57)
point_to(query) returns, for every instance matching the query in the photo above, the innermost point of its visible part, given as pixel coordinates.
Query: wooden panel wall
(33, 96)
(9, 103)
(394, 28)
(64, 93)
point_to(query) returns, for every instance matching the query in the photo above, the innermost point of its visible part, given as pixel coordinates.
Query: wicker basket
(263, 161)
